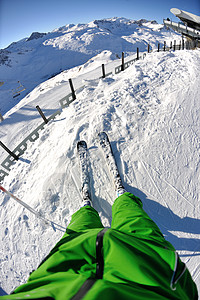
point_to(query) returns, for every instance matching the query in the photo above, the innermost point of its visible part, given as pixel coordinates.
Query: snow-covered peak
(63, 28)
(122, 25)
(123, 21)
(35, 35)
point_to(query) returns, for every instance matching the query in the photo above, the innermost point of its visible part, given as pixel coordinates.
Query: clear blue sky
(19, 18)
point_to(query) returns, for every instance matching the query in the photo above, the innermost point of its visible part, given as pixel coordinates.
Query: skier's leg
(85, 218)
(128, 216)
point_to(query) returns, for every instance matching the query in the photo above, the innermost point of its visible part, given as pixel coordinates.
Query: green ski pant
(128, 216)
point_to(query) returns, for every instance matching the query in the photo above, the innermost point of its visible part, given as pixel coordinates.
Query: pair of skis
(105, 145)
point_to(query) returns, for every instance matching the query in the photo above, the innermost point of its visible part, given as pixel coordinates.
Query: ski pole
(47, 221)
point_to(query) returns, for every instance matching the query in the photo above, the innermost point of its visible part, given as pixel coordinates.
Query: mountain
(151, 114)
(33, 60)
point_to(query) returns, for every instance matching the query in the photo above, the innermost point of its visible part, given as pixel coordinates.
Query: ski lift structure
(17, 91)
(189, 26)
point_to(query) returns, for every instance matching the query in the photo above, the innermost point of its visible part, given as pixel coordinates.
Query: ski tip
(102, 137)
(81, 144)
(102, 134)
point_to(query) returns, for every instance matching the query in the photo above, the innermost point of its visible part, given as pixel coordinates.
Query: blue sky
(19, 18)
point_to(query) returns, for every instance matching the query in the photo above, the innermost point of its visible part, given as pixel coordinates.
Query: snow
(151, 114)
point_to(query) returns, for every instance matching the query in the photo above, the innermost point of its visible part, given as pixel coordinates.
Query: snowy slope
(33, 60)
(151, 113)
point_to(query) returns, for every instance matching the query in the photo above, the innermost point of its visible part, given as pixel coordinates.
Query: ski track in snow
(151, 114)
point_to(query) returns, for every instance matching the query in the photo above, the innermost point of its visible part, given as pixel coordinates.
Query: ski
(83, 161)
(110, 159)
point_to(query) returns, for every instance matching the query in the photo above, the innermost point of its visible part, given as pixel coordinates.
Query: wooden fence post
(72, 89)
(158, 47)
(183, 44)
(8, 150)
(41, 114)
(1, 118)
(174, 45)
(138, 53)
(103, 71)
(148, 48)
(164, 46)
(123, 65)
(170, 45)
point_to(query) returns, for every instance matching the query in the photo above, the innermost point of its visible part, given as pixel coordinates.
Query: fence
(65, 102)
